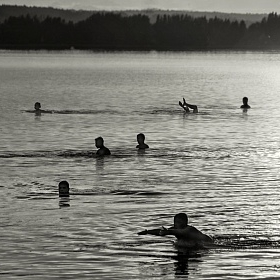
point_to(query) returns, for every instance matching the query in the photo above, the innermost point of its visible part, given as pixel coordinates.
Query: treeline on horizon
(111, 31)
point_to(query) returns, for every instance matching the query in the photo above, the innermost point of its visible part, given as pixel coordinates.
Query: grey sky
(232, 6)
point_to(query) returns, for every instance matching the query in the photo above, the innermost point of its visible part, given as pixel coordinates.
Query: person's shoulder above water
(141, 139)
(37, 110)
(142, 146)
(245, 104)
(102, 150)
(186, 233)
(187, 236)
(186, 106)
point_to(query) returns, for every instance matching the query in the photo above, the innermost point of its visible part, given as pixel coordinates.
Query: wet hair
(141, 135)
(182, 216)
(99, 139)
(63, 192)
(65, 183)
(245, 99)
(38, 104)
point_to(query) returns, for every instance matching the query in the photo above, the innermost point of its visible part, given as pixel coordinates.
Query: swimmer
(38, 110)
(63, 189)
(186, 106)
(103, 151)
(187, 236)
(141, 140)
(245, 103)
(37, 107)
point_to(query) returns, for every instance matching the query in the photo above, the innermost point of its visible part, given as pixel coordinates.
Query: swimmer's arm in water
(171, 231)
(156, 232)
(38, 111)
(151, 231)
(189, 234)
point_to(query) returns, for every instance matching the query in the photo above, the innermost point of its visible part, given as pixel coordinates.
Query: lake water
(220, 166)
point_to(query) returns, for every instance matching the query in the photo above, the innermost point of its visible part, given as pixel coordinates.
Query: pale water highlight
(220, 166)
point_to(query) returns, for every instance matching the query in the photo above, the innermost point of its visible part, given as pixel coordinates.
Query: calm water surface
(220, 166)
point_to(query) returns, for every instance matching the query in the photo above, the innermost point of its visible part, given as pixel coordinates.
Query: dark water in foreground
(221, 166)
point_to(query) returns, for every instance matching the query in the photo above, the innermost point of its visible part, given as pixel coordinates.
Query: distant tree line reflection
(110, 31)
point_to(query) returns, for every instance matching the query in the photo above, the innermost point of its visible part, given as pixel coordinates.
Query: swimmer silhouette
(103, 151)
(245, 103)
(141, 140)
(38, 110)
(63, 189)
(187, 236)
(186, 106)
(37, 107)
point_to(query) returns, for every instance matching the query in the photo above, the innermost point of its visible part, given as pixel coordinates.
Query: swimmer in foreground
(186, 106)
(103, 151)
(245, 103)
(187, 236)
(141, 140)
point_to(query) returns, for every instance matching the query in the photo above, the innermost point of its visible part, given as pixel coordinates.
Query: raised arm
(193, 107)
(186, 108)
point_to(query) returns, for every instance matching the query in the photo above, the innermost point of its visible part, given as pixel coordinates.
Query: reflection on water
(220, 166)
(99, 163)
(64, 202)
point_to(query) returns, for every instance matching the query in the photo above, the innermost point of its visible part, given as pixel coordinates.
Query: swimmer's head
(180, 221)
(245, 100)
(37, 105)
(63, 188)
(99, 142)
(140, 138)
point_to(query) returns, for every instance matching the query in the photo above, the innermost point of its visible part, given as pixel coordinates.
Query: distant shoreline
(127, 49)
(78, 15)
(51, 29)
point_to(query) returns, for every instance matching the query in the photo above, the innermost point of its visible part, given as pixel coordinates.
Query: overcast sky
(232, 6)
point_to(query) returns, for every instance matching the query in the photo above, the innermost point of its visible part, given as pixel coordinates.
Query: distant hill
(68, 15)
(73, 15)
(152, 14)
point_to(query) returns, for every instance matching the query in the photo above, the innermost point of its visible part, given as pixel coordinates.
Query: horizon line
(128, 10)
